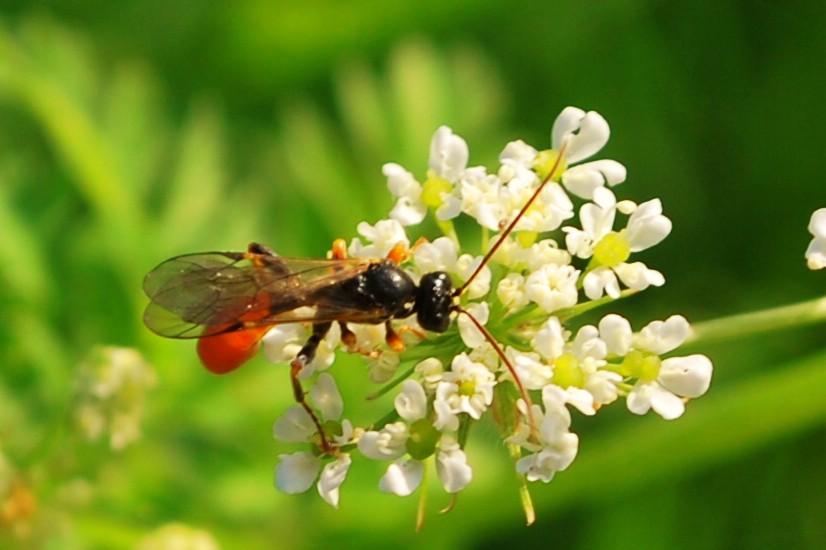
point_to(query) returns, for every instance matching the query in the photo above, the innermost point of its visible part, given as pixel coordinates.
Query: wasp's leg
(339, 249)
(348, 338)
(263, 256)
(304, 357)
(392, 338)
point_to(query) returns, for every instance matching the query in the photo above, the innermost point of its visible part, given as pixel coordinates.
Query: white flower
(578, 365)
(466, 388)
(816, 252)
(295, 473)
(660, 384)
(448, 154)
(646, 227)
(585, 134)
(409, 209)
(557, 446)
(679, 376)
(404, 476)
(383, 236)
(553, 287)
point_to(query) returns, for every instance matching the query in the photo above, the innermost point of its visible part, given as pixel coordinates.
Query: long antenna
(509, 229)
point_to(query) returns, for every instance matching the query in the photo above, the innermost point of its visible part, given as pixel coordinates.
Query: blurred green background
(133, 131)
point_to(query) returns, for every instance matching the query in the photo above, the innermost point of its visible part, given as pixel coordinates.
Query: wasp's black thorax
(383, 288)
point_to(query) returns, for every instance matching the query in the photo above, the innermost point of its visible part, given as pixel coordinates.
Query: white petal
(816, 254)
(817, 223)
(411, 403)
(480, 286)
(326, 397)
(601, 280)
(400, 182)
(446, 420)
(639, 398)
(665, 403)
(453, 470)
(518, 153)
(408, 211)
(582, 400)
(587, 343)
(471, 335)
(296, 426)
(332, 476)
(439, 255)
(384, 235)
(532, 372)
(592, 133)
(448, 154)
(616, 332)
(584, 179)
(660, 337)
(687, 376)
(283, 342)
(647, 226)
(295, 473)
(637, 276)
(402, 477)
(549, 341)
(598, 219)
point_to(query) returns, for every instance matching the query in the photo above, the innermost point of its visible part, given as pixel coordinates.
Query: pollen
(612, 250)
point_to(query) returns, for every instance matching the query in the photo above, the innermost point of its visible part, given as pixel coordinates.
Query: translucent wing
(198, 295)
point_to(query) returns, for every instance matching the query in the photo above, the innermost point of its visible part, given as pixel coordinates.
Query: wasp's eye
(434, 301)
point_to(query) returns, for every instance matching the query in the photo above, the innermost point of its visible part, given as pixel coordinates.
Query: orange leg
(339, 249)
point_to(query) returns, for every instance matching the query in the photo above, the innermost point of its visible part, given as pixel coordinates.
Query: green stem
(747, 324)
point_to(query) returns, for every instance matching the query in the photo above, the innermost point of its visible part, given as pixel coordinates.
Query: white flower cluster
(110, 393)
(533, 364)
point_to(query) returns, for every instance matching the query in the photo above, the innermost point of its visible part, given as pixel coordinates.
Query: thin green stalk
(767, 320)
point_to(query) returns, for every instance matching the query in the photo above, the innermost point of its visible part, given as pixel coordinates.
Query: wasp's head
(434, 301)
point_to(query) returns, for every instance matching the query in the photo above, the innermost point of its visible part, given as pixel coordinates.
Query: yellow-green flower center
(612, 249)
(526, 238)
(567, 372)
(644, 366)
(467, 387)
(545, 161)
(432, 190)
